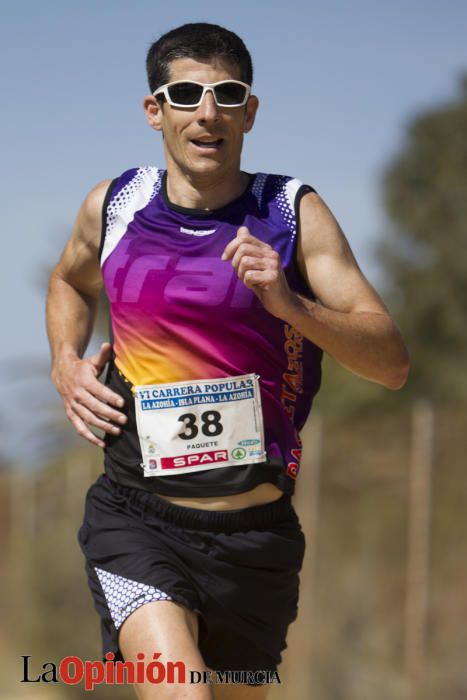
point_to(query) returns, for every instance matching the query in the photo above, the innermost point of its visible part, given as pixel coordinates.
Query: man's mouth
(207, 143)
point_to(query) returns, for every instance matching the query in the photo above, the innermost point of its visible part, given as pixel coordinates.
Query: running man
(224, 289)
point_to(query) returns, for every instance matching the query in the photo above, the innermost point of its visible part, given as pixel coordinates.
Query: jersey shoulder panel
(283, 193)
(130, 192)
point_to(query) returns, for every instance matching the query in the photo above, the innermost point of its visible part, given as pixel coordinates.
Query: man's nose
(208, 109)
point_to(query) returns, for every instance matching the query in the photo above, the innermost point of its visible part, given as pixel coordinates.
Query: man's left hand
(259, 267)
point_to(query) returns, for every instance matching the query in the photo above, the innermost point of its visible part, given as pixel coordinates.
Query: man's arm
(349, 321)
(74, 288)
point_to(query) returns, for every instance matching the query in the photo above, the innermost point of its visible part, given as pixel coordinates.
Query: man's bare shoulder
(89, 220)
(79, 263)
(320, 230)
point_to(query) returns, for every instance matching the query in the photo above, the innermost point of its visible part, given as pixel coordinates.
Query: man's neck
(204, 191)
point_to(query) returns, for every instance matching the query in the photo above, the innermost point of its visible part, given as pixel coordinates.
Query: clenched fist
(259, 267)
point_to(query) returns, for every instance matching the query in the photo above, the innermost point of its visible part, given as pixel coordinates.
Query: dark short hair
(199, 41)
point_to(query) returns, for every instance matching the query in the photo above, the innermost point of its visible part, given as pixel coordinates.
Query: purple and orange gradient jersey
(179, 312)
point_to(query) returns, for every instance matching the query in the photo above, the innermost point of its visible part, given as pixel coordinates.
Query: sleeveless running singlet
(178, 312)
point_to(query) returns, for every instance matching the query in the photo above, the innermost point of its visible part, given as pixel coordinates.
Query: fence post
(418, 542)
(78, 478)
(298, 666)
(22, 516)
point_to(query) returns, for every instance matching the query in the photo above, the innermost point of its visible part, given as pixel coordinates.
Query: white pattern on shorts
(123, 595)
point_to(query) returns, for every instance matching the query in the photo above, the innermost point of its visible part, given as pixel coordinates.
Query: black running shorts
(238, 569)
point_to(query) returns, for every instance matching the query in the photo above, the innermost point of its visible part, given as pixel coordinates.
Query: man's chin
(206, 166)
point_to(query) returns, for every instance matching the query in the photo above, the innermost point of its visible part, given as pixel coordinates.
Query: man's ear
(153, 111)
(251, 108)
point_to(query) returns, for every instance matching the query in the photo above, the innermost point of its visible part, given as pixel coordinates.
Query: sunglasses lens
(185, 93)
(188, 94)
(229, 93)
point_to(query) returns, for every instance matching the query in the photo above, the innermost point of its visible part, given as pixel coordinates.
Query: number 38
(210, 425)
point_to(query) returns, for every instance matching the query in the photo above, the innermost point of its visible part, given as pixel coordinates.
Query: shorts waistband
(254, 517)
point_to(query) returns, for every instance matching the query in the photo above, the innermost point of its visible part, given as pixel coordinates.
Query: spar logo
(195, 459)
(238, 453)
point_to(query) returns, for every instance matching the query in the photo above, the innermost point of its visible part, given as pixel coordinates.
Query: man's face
(204, 140)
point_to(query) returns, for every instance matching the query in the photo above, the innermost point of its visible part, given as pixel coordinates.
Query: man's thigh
(172, 630)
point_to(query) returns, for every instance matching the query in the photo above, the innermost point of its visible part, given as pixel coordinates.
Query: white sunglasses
(189, 93)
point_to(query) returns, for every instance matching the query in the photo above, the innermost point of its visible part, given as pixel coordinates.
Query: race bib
(195, 425)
